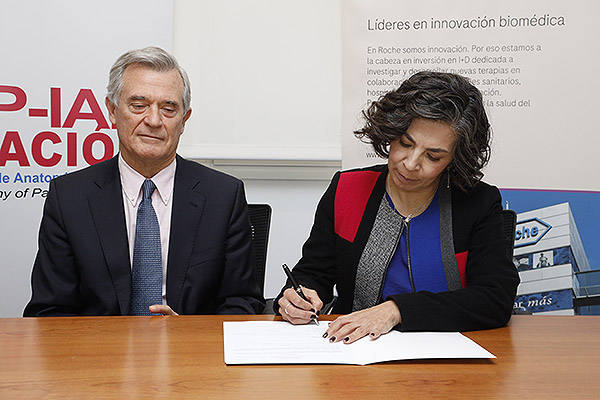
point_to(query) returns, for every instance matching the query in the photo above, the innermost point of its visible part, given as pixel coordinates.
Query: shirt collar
(132, 182)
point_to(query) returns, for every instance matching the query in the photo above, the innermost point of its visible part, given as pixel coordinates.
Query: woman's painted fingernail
(372, 333)
(332, 339)
(325, 334)
(346, 339)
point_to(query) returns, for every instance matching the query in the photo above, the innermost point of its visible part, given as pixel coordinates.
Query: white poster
(265, 76)
(55, 61)
(535, 62)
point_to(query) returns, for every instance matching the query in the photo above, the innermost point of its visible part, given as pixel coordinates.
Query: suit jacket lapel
(106, 206)
(188, 208)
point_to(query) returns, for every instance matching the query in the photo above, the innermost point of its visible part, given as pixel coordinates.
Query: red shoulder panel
(461, 260)
(351, 197)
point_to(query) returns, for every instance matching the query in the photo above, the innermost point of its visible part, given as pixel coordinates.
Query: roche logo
(530, 231)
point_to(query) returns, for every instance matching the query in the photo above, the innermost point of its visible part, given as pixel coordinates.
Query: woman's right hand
(297, 310)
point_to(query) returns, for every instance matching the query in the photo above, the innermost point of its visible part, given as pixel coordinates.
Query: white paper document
(279, 342)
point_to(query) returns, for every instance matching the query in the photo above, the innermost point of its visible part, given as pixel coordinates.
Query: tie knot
(148, 188)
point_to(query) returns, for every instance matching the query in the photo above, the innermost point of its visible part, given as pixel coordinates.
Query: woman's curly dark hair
(442, 97)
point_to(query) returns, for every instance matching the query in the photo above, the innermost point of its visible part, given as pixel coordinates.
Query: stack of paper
(278, 342)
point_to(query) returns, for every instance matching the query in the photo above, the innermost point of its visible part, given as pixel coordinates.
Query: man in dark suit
(86, 261)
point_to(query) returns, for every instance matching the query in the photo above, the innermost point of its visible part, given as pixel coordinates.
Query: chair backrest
(260, 220)
(509, 224)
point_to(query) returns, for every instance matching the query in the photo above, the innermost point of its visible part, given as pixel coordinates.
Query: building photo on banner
(53, 120)
(533, 62)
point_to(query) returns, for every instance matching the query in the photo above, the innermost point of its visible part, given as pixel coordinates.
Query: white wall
(265, 76)
(293, 203)
(292, 189)
(249, 60)
(266, 99)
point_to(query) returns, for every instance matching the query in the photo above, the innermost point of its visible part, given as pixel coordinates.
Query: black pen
(297, 287)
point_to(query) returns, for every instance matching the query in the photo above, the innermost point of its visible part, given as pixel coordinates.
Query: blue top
(425, 255)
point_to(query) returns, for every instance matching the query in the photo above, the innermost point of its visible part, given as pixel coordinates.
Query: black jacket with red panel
(480, 275)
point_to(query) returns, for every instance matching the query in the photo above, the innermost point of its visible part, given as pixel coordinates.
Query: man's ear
(111, 110)
(187, 116)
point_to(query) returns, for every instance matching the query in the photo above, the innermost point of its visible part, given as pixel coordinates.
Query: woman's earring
(448, 182)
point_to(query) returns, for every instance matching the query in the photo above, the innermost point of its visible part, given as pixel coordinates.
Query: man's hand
(162, 309)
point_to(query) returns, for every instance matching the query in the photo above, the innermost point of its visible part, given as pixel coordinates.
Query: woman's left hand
(374, 322)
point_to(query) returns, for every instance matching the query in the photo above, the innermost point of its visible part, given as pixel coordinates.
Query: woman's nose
(411, 161)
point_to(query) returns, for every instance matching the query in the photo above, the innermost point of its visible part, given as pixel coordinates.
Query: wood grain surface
(539, 357)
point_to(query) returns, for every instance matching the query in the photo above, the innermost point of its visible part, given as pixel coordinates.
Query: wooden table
(539, 357)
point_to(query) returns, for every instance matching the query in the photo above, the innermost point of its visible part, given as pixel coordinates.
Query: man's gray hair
(154, 58)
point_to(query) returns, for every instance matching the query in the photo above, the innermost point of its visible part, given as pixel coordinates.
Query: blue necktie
(146, 273)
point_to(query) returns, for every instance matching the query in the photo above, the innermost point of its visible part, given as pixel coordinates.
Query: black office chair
(260, 220)
(509, 224)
